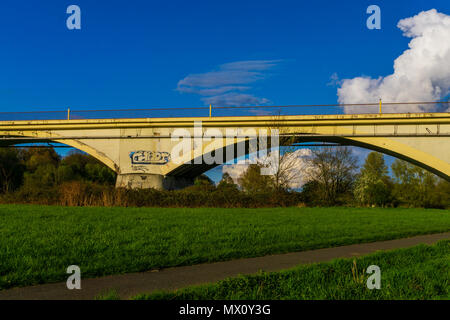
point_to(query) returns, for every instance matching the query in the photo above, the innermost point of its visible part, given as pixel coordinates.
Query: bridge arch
(419, 138)
(71, 143)
(380, 144)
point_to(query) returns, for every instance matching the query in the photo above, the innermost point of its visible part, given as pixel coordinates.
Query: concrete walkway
(131, 284)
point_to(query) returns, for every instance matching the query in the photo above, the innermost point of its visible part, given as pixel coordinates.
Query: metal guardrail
(221, 111)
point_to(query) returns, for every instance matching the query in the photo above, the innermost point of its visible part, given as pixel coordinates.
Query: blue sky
(143, 53)
(133, 54)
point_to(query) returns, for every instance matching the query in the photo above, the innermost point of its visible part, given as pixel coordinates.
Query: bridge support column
(156, 181)
(140, 181)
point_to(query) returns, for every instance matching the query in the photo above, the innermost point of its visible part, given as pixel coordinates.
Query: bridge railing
(222, 111)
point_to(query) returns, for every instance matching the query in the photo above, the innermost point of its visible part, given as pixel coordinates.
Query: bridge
(141, 150)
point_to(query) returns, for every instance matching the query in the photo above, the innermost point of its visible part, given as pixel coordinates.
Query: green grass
(108, 295)
(421, 272)
(38, 243)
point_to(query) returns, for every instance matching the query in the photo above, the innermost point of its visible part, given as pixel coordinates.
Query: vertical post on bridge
(68, 113)
(380, 106)
(210, 110)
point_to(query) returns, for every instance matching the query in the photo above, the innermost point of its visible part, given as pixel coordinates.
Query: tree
(35, 157)
(285, 160)
(81, 166)
(226, 178)
(226, 181)
(45, 176)
(41, 168)
(11, 169)
(289, 167)
(98, 172)
(78, 161)
(333, 169)
(443, 194)
(415, 186)
(203, 180)
(373, 185)
(310, 193)
(252, 181)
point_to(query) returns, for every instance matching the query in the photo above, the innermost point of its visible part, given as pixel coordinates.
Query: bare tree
(334, 171)
(287, 165)
(290, 168)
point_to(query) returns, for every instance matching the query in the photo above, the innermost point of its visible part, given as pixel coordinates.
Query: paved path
(128, 285)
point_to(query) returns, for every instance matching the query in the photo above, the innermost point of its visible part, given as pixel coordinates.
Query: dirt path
(128, 285)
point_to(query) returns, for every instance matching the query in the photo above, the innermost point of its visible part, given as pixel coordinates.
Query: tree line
(333, 178)
(34, 171)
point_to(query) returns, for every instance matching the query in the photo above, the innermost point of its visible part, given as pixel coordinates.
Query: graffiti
(149, 157)
(142, 169)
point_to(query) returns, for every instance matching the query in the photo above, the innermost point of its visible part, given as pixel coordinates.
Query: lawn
(38, 243)
(421, 272)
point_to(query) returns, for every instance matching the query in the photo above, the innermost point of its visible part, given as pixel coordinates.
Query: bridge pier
(155, 181)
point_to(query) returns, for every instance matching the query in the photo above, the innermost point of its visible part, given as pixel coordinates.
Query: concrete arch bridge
(169, 152)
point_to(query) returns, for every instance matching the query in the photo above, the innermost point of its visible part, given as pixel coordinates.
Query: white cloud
(235, 170)
(234, 99)
(225, 86)
(421, 73)
(334, 80)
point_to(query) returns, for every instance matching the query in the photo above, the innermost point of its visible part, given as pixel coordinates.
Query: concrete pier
(155, 181)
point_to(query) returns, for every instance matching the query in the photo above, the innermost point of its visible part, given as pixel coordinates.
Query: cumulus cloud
(235, 170)
(421, 73)
(226, 86)
(294, 165)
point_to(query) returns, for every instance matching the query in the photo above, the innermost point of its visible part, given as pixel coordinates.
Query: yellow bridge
(141, 150)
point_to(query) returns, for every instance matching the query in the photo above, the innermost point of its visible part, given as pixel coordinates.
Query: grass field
(421, 272)
(38, 243)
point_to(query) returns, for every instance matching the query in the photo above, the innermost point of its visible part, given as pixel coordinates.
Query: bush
(79, 193)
